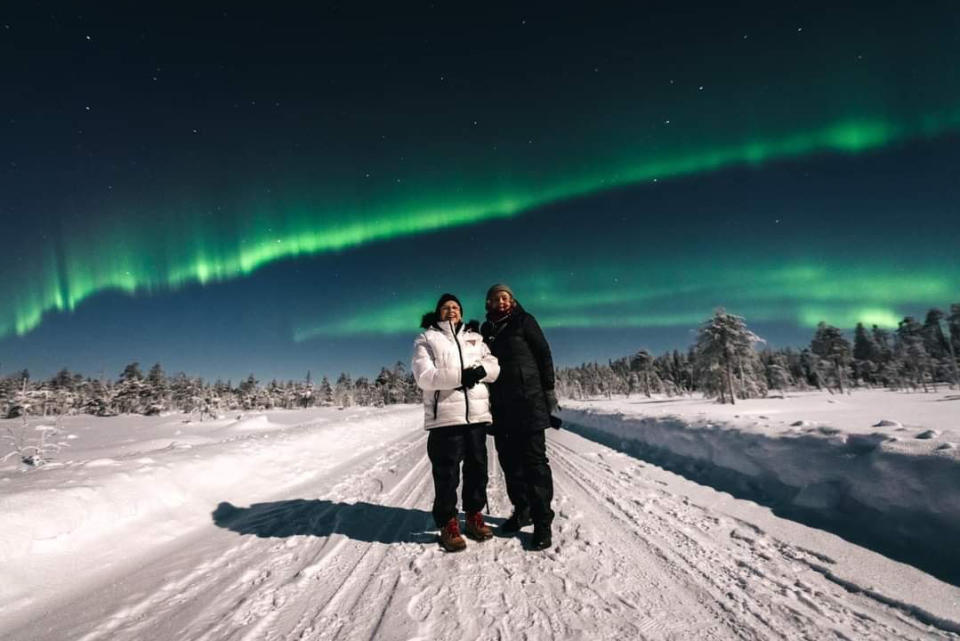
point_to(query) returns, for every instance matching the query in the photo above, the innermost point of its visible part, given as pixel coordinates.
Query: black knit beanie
(444, 299)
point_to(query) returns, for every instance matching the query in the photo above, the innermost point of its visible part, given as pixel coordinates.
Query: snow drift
(895, 487)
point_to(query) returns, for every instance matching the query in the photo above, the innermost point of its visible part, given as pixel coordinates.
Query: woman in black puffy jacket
(522, 401)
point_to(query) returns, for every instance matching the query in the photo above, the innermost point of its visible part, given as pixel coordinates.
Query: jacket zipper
(466, 394)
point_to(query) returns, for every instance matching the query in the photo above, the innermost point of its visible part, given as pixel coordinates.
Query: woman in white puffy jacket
(451, 364)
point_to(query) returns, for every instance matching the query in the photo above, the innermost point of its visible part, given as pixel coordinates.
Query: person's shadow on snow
(317, 517)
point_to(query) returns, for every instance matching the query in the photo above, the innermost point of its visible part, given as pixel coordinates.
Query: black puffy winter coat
(518, 400)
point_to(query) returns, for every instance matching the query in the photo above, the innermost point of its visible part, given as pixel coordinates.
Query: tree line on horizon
(156, 393)
(724, 363)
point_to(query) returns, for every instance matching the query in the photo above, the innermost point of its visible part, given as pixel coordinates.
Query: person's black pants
(526, 470)
(447, 448)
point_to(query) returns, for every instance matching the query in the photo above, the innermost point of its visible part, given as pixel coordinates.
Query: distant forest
(727, 362)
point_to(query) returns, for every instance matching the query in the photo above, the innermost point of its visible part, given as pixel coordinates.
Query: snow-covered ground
(315, 525)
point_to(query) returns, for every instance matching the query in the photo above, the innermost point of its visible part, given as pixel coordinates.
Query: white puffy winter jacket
(440, 354)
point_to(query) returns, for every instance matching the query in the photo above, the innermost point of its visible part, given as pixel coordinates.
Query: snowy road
(639, 553)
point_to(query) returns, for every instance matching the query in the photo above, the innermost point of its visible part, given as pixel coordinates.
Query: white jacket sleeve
(425, 372)
(490, 364)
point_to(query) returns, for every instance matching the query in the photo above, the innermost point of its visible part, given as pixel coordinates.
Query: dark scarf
(496, 317)
(498, 323)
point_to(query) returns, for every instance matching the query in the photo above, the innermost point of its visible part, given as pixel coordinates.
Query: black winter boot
(516, 521)
(542, 538)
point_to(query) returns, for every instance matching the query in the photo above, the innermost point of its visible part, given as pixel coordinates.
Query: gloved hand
(552, 405)
(472, 375)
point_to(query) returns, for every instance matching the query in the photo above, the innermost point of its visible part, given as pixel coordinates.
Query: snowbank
(879, 464)
(136, 482)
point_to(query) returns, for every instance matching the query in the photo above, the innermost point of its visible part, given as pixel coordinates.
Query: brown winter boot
(450, 539)
(475, 528)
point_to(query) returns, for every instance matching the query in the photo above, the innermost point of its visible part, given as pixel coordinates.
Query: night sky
(270, 190)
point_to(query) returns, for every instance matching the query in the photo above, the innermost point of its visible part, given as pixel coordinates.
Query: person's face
(501, 302)
(450, 311)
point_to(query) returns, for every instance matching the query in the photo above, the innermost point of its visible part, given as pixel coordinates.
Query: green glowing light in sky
(800, 294)
(179, 251)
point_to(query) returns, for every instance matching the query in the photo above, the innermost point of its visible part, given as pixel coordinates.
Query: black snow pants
(447, 448)
(526, 470)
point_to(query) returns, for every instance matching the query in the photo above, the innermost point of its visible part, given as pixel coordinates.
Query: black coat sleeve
(541, 351)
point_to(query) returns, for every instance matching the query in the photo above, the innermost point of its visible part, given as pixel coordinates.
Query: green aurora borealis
(134, 264)
(240, 191)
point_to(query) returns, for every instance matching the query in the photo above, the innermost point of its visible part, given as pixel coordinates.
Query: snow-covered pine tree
(307, 395)
(222, 396)
(678, 375)
(18, 384)
(131, 393)
(344, 393)
(62, 380)
(621, 375)
(398, 389)
(777, 370)
(131, 371)
(248, 393)
(63, 391)
(568, 382)
(953, 342)
(811, 366)
(864, 345)
(953, 322)
(912, 353)
(411, 393)
(642, 366)
(383, 384)
(726, 358)
(832, 346)
(939, 347)
(270, 397)
(7, 389)
(158, 389)
(325, 392)
(182, 393)
(364, 392)
(883, 344)
(866, 355)
(100, 399)
(933, 338)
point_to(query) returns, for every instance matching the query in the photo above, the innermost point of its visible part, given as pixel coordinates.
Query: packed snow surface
(315, 524)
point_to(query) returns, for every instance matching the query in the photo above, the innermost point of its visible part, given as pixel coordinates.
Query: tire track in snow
(309, 599)
(662, 600)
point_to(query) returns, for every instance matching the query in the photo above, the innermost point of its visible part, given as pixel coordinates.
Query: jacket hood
(430, 319)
